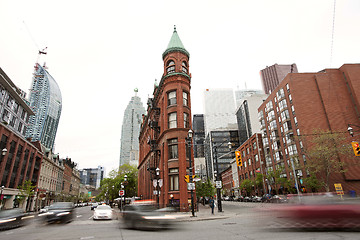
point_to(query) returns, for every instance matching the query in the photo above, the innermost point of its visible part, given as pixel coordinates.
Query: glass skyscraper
(129, 150)
(46, 102)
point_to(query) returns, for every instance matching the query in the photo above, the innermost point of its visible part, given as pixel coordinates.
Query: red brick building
(227, 181)
(162, 140)
(303, 102)
(252, 156)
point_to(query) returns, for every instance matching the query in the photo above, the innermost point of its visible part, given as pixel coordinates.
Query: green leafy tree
(205, 189)
(247, 185)
(110, 186)
(312, 183)
(276, 180)
(324, 150)
(27, 190)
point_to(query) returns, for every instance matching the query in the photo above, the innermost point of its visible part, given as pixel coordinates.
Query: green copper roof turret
(175, 45)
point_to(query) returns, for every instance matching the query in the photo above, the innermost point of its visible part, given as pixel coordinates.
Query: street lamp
(218, 182)
(157, 172)
(191, 184)
(351, 131)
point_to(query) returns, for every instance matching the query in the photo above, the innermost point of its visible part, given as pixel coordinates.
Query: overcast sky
(99, 51)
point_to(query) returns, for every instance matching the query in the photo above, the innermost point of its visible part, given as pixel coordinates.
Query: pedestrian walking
(212, 204)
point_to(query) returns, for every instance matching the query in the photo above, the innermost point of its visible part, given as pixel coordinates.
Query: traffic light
(238, 158)
(356, 148)
(187, 178)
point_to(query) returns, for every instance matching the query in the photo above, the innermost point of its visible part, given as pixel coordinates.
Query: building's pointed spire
(175, 44)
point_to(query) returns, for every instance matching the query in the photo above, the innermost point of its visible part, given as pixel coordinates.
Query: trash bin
(352, 193)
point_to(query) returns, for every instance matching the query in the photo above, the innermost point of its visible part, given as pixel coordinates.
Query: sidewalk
(204, 213)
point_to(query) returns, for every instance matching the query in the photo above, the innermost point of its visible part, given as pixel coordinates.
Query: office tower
(219, 109)
(240, 95)
(129, 149)
(46, 102)
(247, 116)
(273, 75)
(92, 176)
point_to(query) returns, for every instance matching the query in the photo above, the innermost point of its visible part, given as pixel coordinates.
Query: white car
(103, 212)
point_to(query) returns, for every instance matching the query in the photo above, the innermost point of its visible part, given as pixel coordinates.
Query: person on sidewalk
(212, 204)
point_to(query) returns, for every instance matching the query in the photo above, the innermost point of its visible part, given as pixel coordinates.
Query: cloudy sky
(99, 51)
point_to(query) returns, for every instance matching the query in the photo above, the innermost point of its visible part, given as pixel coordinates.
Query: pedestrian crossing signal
(238, 158)
(356, 148)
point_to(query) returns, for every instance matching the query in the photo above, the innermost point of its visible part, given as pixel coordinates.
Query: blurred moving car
(44, 209)
(103, 212)
(12, 218)
(145, 215)
(318, 212)
(59, 212)
(94, 205)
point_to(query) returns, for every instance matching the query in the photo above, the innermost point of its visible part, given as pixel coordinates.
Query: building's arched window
(184, 67)
(170, 67)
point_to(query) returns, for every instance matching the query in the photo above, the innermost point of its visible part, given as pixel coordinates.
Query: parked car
(279, 199)
(12, 218)
(256, 199)
(94, 205)
(59, 212)
(247, 199)
(146, 216)
(239, 199)
(103, 212)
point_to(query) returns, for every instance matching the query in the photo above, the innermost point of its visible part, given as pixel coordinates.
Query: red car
(321, 211)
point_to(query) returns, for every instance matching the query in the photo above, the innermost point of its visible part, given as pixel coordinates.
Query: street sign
(121, 193)
(155, 182)
(339, 189)
(160, 182)
(218, 184)
(191, 186)
(156, 192)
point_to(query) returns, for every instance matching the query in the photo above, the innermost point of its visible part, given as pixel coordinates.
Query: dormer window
(184, 67)
(170, 67)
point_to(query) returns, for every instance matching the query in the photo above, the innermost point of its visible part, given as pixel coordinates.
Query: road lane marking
(90, 237)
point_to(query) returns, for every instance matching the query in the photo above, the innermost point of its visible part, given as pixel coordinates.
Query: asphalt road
(242, 223)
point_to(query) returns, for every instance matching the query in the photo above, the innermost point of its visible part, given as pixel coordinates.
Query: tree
(110, 186)
(276, 180)
(26, 190)
(247, 186)
(324, 152)
(205, 189)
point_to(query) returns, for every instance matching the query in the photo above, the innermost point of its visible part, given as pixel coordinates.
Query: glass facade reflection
(46, 102)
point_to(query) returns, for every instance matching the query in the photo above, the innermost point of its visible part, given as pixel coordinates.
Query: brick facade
(162, 140)
(303, 102)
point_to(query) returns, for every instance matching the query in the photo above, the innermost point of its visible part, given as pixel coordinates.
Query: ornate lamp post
(157, 172)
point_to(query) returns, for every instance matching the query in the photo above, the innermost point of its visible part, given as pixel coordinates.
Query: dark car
(12, 218)
(60, 212)
(94, 205)
(146, 216)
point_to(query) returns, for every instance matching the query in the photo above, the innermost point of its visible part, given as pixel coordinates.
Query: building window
(5, 115)
(184, 67)
(186, 120)
(173, 148)
(173, 179)
(172, 98)
(172, 120)
(170, 67)
(185, 99)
